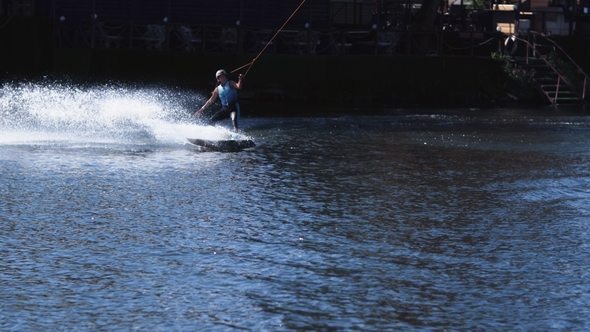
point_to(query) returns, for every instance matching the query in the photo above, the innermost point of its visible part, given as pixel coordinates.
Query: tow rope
(249, 64)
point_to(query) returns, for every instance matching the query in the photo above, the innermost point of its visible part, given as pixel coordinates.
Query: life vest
(227, 94)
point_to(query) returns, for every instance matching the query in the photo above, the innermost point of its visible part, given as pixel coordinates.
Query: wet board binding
(223, 145)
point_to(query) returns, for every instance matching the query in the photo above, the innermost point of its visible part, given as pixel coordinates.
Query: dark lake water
(412, 220)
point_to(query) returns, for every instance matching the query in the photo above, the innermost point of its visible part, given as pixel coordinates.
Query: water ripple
(328, 224)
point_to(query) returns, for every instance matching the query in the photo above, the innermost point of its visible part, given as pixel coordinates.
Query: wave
(33, 112)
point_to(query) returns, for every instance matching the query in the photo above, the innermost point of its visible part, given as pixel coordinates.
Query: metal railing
(579, 69)
(240, 39)
(534, 46)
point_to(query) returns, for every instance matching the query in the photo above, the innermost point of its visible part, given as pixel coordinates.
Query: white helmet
(219, 73)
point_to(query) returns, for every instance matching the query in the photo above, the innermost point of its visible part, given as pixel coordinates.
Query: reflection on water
(407, 221)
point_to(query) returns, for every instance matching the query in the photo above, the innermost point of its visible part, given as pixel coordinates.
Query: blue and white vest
(227, 94)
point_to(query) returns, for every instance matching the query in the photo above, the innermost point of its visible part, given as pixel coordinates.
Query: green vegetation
(568, 70)
(479, 4)
(517, 83)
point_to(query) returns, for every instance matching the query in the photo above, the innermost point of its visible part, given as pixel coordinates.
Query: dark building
(251, 13)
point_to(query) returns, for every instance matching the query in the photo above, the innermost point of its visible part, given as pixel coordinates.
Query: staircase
(550, 81)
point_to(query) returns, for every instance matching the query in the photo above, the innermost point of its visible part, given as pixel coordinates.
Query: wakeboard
(223, 145)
